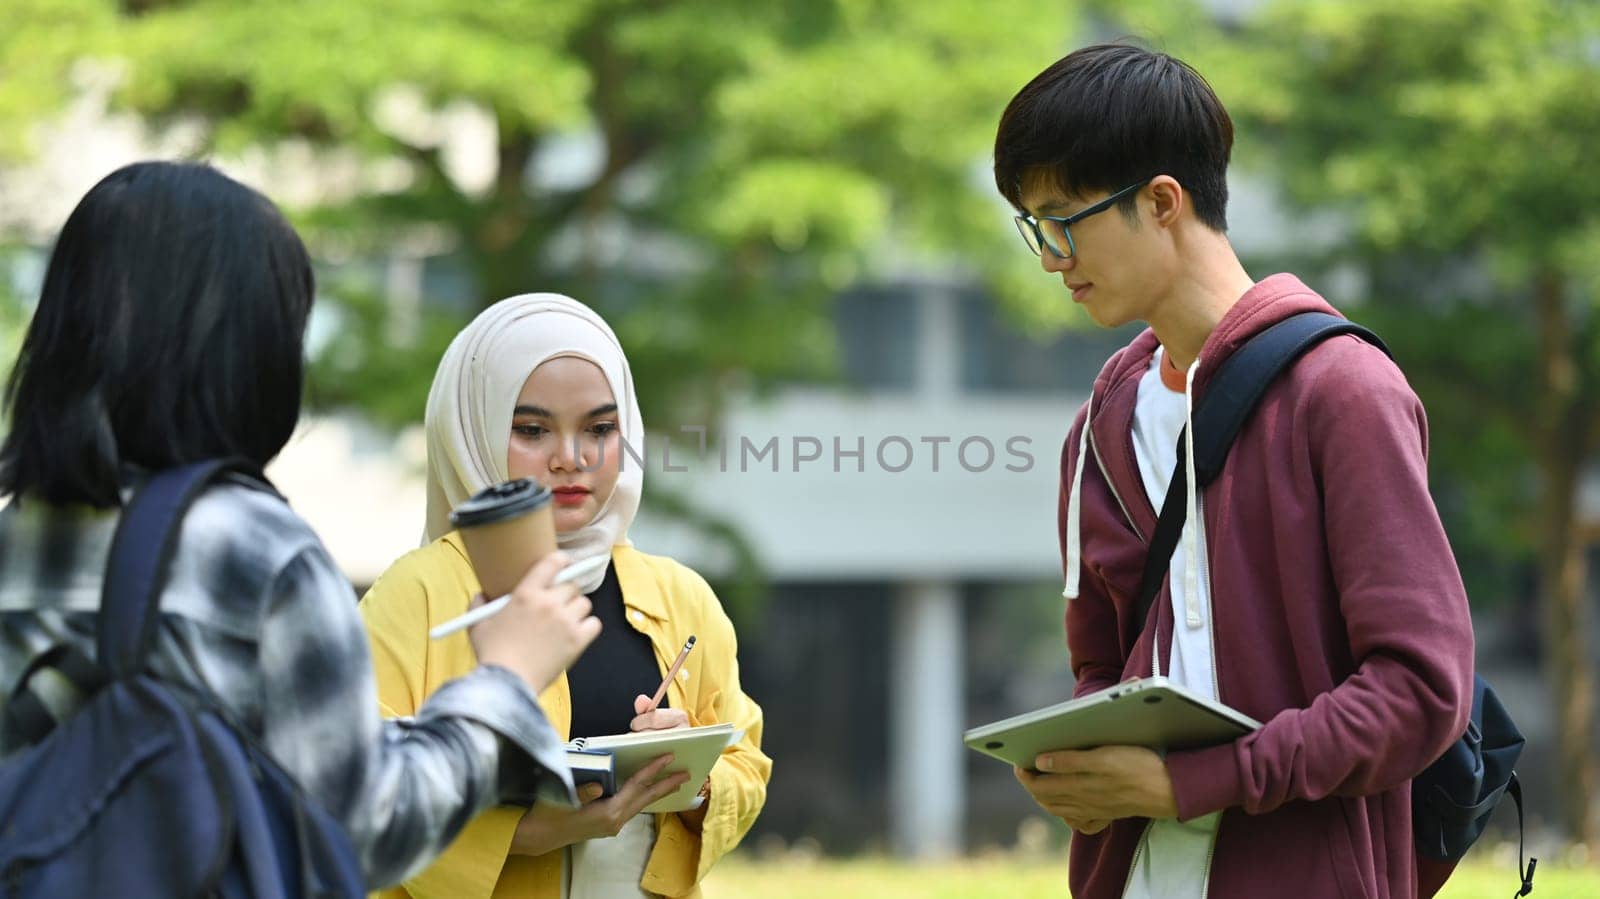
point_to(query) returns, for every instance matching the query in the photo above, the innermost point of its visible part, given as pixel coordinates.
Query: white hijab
(469, 411)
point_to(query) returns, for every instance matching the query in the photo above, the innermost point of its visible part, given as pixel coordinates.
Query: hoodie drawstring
(1191, 570)
(1074, 560)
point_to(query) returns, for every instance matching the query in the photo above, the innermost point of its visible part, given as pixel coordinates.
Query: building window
(878, 333)
(997, 356)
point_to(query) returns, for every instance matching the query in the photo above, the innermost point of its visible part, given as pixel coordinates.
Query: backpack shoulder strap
(1230, 398)
(33, 710)
(141, 551)
(1238, 386)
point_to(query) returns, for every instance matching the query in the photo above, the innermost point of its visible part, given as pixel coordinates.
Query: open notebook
(694, 749)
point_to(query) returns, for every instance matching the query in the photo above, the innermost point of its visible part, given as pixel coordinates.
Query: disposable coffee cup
(507, 529)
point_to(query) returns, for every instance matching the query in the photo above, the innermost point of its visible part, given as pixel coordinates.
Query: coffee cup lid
(500, 502)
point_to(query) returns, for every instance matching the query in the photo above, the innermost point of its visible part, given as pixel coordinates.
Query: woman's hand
(541, 631)
(546, 828)
(672, 719)
(660, 719)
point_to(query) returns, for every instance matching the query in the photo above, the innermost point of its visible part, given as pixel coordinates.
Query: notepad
(1152, 712)
(694, 749)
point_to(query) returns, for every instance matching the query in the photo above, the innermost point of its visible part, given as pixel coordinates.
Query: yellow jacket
(666, 602)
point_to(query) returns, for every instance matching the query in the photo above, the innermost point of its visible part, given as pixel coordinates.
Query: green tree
(749, 160)
(1456, 137)
(745, 161)
(13, 319)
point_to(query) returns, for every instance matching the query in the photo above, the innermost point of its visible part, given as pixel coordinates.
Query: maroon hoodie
(1339, 616)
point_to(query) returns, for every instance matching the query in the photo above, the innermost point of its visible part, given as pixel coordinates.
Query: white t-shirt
(1173, 860)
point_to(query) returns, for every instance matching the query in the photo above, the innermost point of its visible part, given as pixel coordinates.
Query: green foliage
(1451, 137)
(1484, 481)
(751, 159)
(1443, 124)
(387, 379)
(13, 319)
(774, 153)
(14, 312)
(40, 43)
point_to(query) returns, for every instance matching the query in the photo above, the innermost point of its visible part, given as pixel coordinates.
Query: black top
(619, 665)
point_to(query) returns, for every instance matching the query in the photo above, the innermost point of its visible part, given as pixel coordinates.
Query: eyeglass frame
(1026, 221)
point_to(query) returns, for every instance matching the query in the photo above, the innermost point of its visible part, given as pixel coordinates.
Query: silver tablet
(1152, 712)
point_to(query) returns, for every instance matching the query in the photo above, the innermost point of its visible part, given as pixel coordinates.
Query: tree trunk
(1564, 428)
(502, 243)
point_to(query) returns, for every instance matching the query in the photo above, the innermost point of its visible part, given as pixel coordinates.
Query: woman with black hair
(169, 331)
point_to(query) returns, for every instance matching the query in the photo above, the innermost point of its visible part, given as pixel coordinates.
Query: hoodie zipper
(1211, 852)
(1111, 485)
(1138, 850)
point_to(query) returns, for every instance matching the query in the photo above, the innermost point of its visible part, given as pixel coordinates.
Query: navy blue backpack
(146, 788)
(1451, 801)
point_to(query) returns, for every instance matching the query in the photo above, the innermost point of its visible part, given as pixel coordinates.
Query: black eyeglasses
(1055, 231)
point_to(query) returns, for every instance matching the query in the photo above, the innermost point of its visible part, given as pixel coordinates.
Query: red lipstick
(571, 495)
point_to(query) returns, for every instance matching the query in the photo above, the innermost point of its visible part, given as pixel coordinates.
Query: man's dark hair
(169, 329)
(1109, 115)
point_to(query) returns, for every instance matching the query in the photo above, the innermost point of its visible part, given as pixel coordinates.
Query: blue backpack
(1451, 801)
(146, 788)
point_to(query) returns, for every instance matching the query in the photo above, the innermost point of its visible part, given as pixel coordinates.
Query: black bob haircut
(1110, 115)
(169, 329)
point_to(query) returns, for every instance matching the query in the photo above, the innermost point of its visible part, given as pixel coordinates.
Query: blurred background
(855, 378)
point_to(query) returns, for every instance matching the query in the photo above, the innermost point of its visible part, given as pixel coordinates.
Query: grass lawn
(1017, 878)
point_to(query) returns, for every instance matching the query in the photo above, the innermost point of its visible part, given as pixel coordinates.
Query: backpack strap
(59, 680)
(1514, 789)
(1229, 399)
(141, 551)
(49, 690)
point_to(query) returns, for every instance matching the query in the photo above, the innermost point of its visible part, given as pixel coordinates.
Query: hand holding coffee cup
(509, 533)
(506, 529)
(542, 630)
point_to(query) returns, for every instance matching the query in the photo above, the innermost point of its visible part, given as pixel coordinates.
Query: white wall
(839, 517)
(363, 490)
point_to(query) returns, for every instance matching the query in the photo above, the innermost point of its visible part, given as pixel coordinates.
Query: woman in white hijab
(538, 386)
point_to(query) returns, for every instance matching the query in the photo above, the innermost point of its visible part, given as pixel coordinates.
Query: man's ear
(1167, 199)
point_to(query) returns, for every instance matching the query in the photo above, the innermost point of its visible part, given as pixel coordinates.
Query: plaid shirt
(256, 612)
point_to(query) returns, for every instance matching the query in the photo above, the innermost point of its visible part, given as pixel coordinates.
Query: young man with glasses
(1312, 587)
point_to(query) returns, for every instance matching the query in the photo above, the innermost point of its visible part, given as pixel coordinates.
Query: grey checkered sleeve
(402, 788)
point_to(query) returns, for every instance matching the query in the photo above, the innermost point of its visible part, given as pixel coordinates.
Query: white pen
(488, 610)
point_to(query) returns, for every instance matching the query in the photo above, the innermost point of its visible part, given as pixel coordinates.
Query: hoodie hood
(1107, 432)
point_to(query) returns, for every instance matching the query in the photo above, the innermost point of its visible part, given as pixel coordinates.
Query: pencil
(671, 673)
(489, 609)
